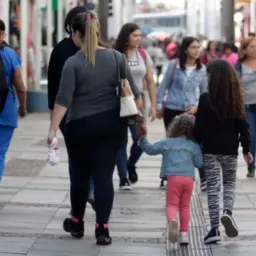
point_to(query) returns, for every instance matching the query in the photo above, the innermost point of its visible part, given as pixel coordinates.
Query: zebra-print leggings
(213, 164)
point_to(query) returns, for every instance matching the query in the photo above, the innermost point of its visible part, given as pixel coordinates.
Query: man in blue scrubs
(9, 114)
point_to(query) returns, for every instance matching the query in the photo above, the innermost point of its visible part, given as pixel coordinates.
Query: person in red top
(210, 53)
(229, 55)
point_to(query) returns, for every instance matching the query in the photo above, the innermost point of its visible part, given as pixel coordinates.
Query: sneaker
(125, 184)
(184, 239)
(75, 229)
(229, 224)
(203, 185)
(213, 236)
(91, 201)
(162, 185)
(251, 172)
(102, 235)
(133, 176)
(173, 231)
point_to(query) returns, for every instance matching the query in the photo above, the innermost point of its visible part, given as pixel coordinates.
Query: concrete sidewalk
(34, 201)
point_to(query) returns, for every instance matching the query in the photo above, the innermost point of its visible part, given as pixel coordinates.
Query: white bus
(170, 22)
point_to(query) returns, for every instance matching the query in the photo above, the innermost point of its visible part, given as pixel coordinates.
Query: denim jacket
(184, 91)
(180, 155)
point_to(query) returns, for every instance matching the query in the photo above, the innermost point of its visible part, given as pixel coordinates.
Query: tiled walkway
(34, 200)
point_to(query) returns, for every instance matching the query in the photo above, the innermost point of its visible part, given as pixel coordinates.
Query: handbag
(128, 107)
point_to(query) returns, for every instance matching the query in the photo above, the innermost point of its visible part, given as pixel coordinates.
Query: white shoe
(171, 247)
(173, 231)
(184, 238)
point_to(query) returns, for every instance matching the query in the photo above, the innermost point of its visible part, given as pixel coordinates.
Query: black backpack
(3, 83)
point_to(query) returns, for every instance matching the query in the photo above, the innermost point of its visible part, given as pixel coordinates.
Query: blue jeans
(6, 133)
(63, 131)
(251, 117)
(122, 163)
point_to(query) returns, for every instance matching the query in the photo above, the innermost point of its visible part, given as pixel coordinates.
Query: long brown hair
(225, 90)
(244, 45)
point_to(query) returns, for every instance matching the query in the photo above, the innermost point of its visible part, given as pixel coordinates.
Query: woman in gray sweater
(95, 132)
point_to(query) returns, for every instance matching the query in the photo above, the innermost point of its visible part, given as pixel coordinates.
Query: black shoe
(91, 201)
(251, 172)
(102, 235)
(213, 236)
(229, 224)
(125, 184)
(133, 176)
(75, 229)
(162, 185)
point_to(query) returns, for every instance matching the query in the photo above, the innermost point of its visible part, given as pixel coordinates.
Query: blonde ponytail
(91, 38)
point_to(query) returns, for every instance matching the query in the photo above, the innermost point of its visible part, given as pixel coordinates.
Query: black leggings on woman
(93, 143)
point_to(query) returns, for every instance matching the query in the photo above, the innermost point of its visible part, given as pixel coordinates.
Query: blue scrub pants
(6, 133)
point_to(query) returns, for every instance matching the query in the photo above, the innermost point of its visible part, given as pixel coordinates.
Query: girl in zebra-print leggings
(220, 126)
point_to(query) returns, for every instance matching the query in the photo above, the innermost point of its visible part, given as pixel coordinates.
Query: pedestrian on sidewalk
(220, 125)
(229, 55)
(94, 129)
(180, 157)
(61, 52)
(184, 81)
(246, 67)
(11, 83)
(128, 43)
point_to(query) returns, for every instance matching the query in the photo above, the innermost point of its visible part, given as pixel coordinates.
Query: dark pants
(251, 117)
(63, 131)
(93, 143)
(135, 153)
(158, 73)
(169, 115)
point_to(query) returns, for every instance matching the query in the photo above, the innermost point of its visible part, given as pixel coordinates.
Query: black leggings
(93, 143)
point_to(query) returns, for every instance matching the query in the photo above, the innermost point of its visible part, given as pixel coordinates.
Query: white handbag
(128, 107)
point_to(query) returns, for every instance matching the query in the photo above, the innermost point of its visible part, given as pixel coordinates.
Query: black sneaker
(125, 184)
(133, 176)
(213, 236)
(162, 185)
(229, 224)
(251, 172)
(102, 235)
(75, 229)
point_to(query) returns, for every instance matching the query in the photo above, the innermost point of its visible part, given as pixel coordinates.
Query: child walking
(220, 125)
(180, 157)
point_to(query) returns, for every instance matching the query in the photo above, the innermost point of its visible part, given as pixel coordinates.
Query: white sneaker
(173, 231)
(184, 238)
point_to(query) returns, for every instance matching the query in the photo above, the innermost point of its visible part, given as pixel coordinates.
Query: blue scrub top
(9, 115)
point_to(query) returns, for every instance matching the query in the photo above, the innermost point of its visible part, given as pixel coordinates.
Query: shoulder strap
(143, 54)
(123, 66)
(173, 71)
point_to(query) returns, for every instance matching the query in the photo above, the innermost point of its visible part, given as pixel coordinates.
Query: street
(34, 201)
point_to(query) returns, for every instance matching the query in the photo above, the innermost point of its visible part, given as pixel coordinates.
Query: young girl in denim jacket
(180, 157)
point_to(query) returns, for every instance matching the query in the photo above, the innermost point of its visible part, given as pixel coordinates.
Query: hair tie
(89, 17)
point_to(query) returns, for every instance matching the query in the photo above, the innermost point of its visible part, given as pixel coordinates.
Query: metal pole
(60, 20)
(49, 29)
(24, 34)
(253, 13)
(38, 43)
(228, 20)
(103, 18)
(186, 16)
